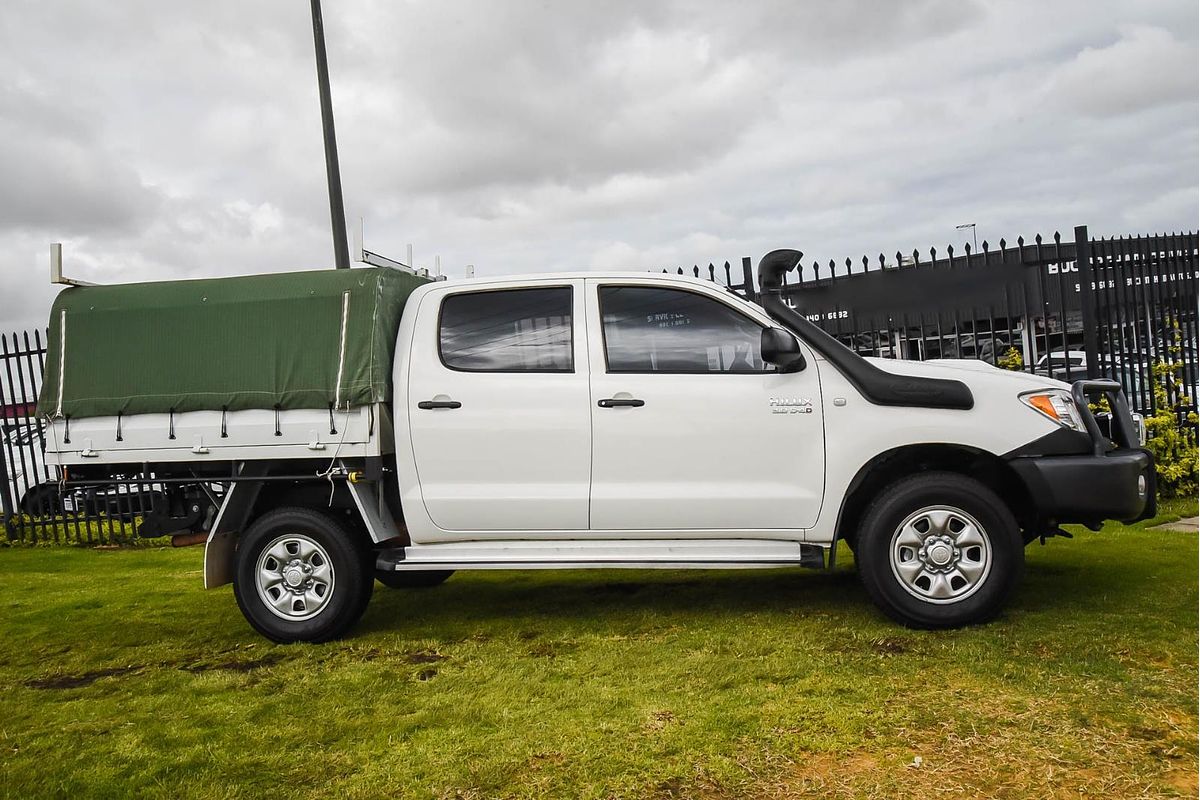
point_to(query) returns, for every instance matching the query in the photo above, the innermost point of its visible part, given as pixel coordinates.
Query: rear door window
(510, 330)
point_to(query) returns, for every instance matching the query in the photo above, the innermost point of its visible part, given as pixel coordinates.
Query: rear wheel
(301, 576)
(939, 550)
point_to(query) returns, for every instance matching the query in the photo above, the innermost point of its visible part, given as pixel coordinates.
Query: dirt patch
(426, 674)
(424, 657)
(551, 649)
(879, 646)
(1184, 781)
(888, 646)
(235, 666)
(659, 720)
(76, 681)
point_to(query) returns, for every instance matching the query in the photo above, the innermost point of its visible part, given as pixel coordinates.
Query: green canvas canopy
(286, 340)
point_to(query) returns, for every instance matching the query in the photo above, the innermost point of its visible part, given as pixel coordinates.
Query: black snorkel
(878, 386)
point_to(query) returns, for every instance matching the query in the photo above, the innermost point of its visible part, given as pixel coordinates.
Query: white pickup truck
(618, 420)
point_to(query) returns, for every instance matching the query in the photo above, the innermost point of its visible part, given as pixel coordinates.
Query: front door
(499, 418)
(690, 430)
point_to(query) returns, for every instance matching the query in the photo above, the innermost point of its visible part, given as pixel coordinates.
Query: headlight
(1057, 405)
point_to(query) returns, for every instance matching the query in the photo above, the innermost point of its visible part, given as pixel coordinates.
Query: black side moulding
(878, 386)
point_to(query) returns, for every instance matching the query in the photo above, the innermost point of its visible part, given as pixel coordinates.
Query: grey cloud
(184, 139)
(55, 172)
(1147, 66)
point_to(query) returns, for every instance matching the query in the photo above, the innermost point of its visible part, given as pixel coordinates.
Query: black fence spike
(950, 251)
(1038, 239)
(967, 247)
(916, 256)
(1020, 241)
(1003, 245)
(985, 246)
(1057, 237)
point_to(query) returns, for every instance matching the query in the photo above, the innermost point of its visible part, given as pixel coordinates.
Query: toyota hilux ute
(321, 430)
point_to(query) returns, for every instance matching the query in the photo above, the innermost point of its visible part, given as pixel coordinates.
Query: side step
(604, 554)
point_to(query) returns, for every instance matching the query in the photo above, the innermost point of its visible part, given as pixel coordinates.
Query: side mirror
(780, 348)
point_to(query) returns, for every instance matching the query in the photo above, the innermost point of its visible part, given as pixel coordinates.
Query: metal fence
(35, 507)
(1107, 307)
(1117, 307)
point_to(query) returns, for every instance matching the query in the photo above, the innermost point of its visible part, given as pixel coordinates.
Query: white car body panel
(702, 453)
(516, 455)
(802, 504)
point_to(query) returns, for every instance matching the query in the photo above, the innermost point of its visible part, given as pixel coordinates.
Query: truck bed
(197, 436)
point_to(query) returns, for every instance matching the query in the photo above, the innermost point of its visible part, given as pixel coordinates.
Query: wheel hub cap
(940, 554)
(294, 577)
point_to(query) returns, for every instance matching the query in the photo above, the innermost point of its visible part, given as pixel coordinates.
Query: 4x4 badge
(790, 405)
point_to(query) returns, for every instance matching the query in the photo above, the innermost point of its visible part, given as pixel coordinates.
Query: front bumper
(1090, 488)
(1115, 480)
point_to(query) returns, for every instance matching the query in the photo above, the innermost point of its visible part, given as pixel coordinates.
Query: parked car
(370, 423)
(1071, 365)
(1060, 362)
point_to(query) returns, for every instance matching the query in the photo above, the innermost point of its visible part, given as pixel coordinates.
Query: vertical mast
(337, 210)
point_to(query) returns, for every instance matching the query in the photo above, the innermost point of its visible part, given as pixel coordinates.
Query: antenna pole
(337, 210)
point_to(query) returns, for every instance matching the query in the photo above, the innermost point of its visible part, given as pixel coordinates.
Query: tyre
(302, 576)
(939, 550)
(413, 580)
(42, 500)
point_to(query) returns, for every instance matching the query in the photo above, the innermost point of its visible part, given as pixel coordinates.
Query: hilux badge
(790, 405)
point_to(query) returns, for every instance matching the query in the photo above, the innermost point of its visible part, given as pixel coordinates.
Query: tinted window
(520, 330)
(668, 330)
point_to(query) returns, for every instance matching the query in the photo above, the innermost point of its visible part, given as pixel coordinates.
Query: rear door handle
(425, 405)
(614, 402)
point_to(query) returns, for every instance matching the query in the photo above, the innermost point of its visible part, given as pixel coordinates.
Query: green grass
(120, 676)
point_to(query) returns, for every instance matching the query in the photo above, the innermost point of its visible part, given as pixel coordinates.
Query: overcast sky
(180, 139)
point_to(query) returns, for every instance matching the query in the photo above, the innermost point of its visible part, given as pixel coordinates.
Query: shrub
(1011, 360)
(1170, 433)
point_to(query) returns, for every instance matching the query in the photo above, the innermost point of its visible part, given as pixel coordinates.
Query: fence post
(1083, 262)
(6, 502)
(748, 280)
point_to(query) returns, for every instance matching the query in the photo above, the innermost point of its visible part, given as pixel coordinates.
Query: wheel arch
(248, 500)
(891, 465)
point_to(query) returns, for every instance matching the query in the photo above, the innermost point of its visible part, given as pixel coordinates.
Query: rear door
(499, 416)
(691, 431)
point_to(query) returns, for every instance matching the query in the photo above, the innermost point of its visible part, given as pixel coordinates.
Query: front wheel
(301, 576)
(939, 550)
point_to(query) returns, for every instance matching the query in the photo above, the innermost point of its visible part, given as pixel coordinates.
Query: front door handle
(425, 405)
(614, 402)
